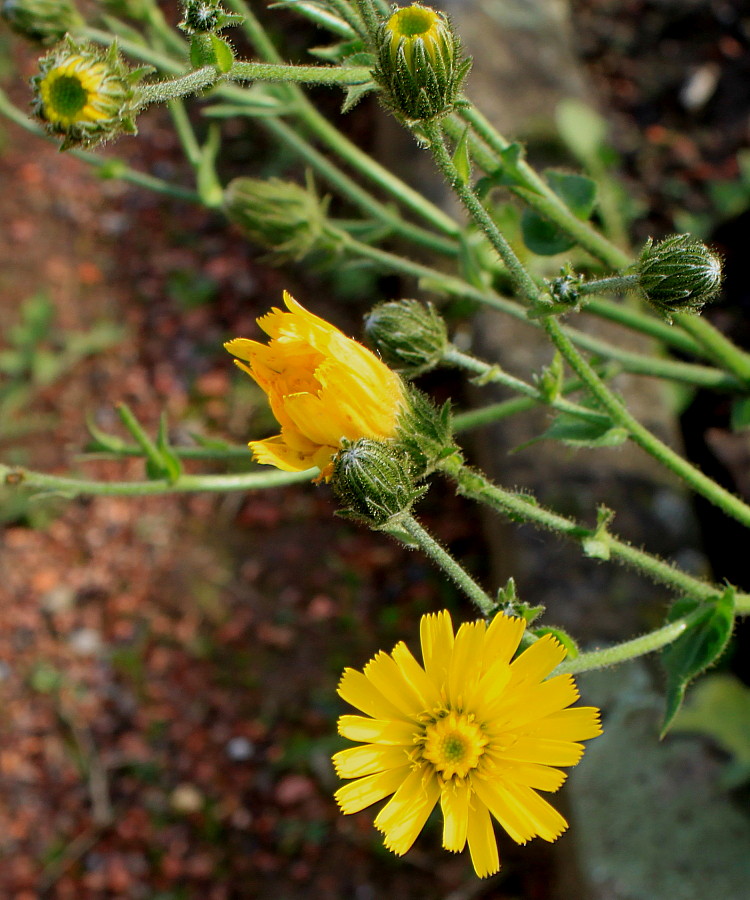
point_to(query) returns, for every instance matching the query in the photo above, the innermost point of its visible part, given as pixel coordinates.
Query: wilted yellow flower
(472, 730)
(322, 386)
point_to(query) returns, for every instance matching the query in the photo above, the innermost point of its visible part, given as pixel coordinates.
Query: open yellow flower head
(323, 387)
(472, 728)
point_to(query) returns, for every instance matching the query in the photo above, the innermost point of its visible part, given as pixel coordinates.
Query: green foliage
(704, 640)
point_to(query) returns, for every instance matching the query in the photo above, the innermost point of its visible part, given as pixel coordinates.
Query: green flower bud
(373, 482)
(84, 94)
(200, 16)
(43, 21)
(410, 336)
(288, 219)
(679, 274)
(420, 65)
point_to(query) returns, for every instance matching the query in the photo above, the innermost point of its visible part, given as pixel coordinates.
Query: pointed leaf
(461, 158)
(542, 236)
(577, 191)
(694, 651)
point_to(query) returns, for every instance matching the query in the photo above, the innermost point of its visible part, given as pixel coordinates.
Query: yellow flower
(417, 23)
(322, 386)
(74, 92)
(472, 730)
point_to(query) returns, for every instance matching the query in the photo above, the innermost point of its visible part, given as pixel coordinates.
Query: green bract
(410, 336)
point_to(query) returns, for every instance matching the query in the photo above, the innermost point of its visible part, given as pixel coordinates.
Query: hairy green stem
(617, 284)
(717, 347)
(493, 374)
(477, 486)
(80, 487)
(449, 565)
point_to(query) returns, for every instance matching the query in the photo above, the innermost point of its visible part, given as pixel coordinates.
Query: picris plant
(476, 726)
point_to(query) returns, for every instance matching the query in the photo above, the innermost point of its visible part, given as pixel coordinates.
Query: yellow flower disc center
(66, 96)
(414, 21)
(454, 745)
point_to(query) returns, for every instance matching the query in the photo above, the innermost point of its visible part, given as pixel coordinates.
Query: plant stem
(79, 487)
(449, 565)
(693, 477)
(475, 485)
(618, 653)
(617, 284)
(489, 374)
(718, 348)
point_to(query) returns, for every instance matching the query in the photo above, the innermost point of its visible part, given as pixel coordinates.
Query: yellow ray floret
(323, 388)
(473, 729)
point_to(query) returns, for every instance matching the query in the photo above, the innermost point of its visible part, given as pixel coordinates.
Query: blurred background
(168, 665)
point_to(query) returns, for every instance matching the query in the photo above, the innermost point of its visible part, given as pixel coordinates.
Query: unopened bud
(286, 218)
(420, 64)
(410, 336)
(84, 94)
(373, 482)
(205, 17)
(42, 21)
(679, 274)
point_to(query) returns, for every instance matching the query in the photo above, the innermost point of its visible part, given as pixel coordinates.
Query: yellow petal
(491, 689)
(383, 672)
(361, 693)
(355, 762)
(405, 814)
(544, 751)
(463, 670)
(436, 634)
(275, 451)
(501, 641)
(539, 777)
(505, 809)
(537, 661)
(416, 676)
(519, 708)
(377, 731)
(454, 800)
(576, 724)
(482, 842)
(545, 820)
(364, 792)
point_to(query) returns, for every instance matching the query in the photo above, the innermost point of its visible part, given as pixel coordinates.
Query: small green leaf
(354, 93)
(209, 187)
(461, 157)
(579, 432)
(542, 236)
(694, 651)
(740, 414)
(550, 381)
(171, 461)
(577, 191)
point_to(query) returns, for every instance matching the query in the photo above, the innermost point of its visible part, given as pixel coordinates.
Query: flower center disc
(412, 21)
(67, 97)
(454, 745)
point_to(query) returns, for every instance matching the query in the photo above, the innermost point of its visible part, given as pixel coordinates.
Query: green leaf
(740, 414)
(719, 707)
(172, 463)
(578, 432)
(577, 191)
(354, 93)
(542, 236)
(461, 157)
(223, 54)
(582, 129)
(694, 651)
(207, 181)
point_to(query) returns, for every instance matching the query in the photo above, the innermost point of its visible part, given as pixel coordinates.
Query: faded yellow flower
(474, 729)
(323, 387)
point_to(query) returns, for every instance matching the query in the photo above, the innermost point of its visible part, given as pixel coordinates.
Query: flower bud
(410, 336)
(200, 16)
(679, 274)
(420, 65)
(288, 219)
(84, 94)
(43, 21)
(372, 481)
